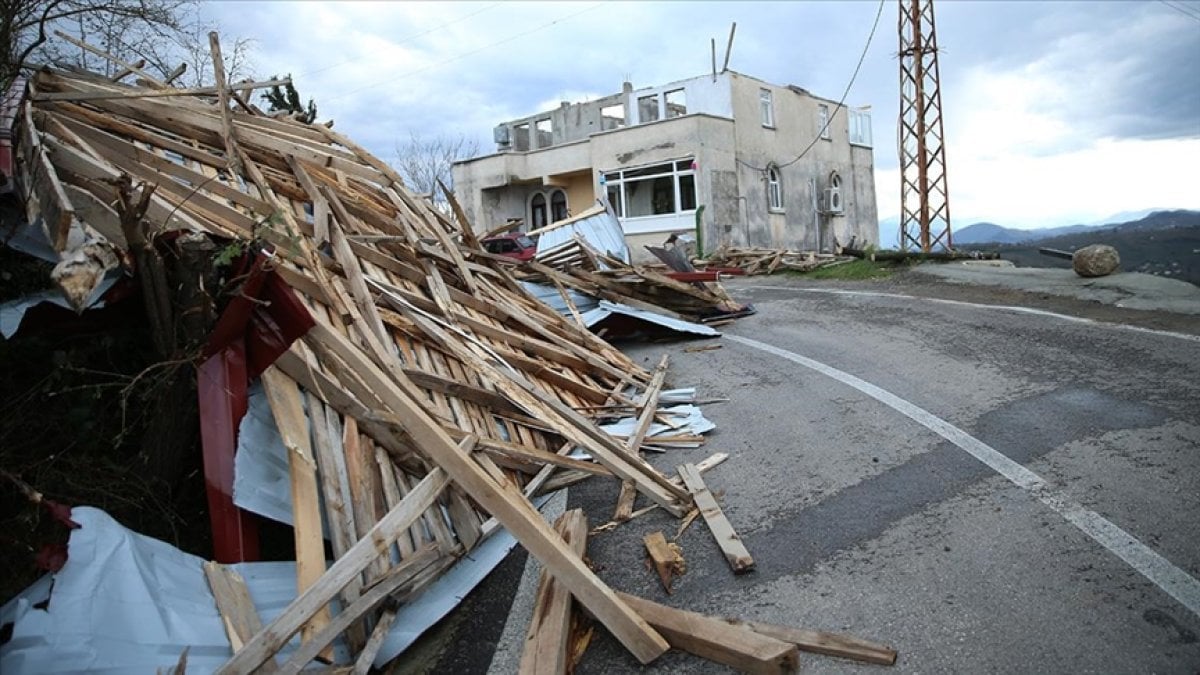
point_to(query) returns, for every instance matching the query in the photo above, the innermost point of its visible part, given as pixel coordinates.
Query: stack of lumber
(569, 254)
(757, 260)
(431, 398)
(609, 278)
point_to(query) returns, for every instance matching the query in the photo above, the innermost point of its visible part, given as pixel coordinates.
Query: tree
(422, 162)
(287, 99)
(160, 33)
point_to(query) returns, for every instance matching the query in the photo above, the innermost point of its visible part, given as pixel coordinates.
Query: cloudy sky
(1056, 112)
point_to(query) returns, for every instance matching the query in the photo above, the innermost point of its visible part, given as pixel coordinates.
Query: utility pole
(924, 196)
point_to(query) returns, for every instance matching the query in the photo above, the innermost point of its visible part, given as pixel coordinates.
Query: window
(537, 211)
(774, 189)
(860, 127)
(545, 133)
(676, 101)
(558, 206)
(766, 107)
(655, 190)
(612, 117)
(648, 108)
(823, 121)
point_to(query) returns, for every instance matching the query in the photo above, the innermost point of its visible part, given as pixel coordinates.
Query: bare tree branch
(422, 162)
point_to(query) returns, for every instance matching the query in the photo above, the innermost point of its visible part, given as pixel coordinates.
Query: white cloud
(1036, 94)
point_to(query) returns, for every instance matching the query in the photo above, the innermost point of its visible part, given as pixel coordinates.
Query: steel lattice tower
(924, 196)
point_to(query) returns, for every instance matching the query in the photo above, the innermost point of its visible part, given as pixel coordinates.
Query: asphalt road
(1053, 526)
(984, 489)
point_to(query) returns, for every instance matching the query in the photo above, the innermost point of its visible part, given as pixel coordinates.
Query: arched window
(774, 189)
(558, 206)
(537, 211)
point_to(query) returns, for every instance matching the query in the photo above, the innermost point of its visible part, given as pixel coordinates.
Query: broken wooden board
(665, 557)
(819, 642)
(727, 539)
(547, 639)
(714, 639)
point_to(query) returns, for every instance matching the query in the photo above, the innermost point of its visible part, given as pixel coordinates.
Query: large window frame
(860, 127)
(679, 174)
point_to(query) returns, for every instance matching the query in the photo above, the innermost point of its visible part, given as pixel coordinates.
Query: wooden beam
(287, 407)
(727, 539)
(154, 82)
(665, 560)
(548, 636)
(148, 93)
(716, 640)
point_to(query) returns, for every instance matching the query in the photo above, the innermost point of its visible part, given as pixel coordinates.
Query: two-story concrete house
(762, 164)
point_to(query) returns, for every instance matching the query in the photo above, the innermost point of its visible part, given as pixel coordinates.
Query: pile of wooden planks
(593, 273)
(746, 646)
(756, 260)
(431, 399)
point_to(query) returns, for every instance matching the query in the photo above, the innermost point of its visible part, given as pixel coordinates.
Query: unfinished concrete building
(727, 157)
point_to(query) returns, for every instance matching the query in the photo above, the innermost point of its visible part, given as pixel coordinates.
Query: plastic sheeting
(127, 603)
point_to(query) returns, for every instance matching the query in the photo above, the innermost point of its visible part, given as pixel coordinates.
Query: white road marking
(1174, 581)
(1008, 308)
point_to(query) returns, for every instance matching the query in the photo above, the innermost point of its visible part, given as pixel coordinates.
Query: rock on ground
(1096, 260)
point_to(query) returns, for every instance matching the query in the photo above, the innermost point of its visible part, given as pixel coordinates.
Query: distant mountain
(1164, 243)
(977, 234)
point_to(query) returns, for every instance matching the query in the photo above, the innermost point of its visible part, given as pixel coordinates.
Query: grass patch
(850, 271)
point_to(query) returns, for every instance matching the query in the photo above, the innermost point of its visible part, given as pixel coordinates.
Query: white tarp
(127, 603)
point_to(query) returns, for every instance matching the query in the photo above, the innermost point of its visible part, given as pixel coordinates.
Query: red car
(514, 245)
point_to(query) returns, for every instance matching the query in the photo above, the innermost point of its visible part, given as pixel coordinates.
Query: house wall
(800, 225)
(732, 149)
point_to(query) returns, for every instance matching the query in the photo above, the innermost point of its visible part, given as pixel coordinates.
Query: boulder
(1096, 260)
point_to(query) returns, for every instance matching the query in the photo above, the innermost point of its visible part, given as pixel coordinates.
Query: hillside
(1164, 243)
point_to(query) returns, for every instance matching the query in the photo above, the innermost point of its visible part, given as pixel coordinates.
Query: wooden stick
(227, 129)
(649, 406)
(270, 639)
(724, 534)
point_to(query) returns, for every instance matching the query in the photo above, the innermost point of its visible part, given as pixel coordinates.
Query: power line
(466, 54)
(407, 39)
(841, 103)
(1183, 9)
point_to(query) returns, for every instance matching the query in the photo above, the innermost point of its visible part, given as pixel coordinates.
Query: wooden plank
(549, 632)
(509, 507)
(366, 656)
(666, 560)
(648, 408)
(228, 132)
(116, 94)
(727, 539)
(819, 642)
(269, 640)
(406, 575)
(154, 82)
(716, 640)
(235, 606)
(287, 407)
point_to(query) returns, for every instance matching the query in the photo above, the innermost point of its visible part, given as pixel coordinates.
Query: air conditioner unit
(500, 135)
(833, 200)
